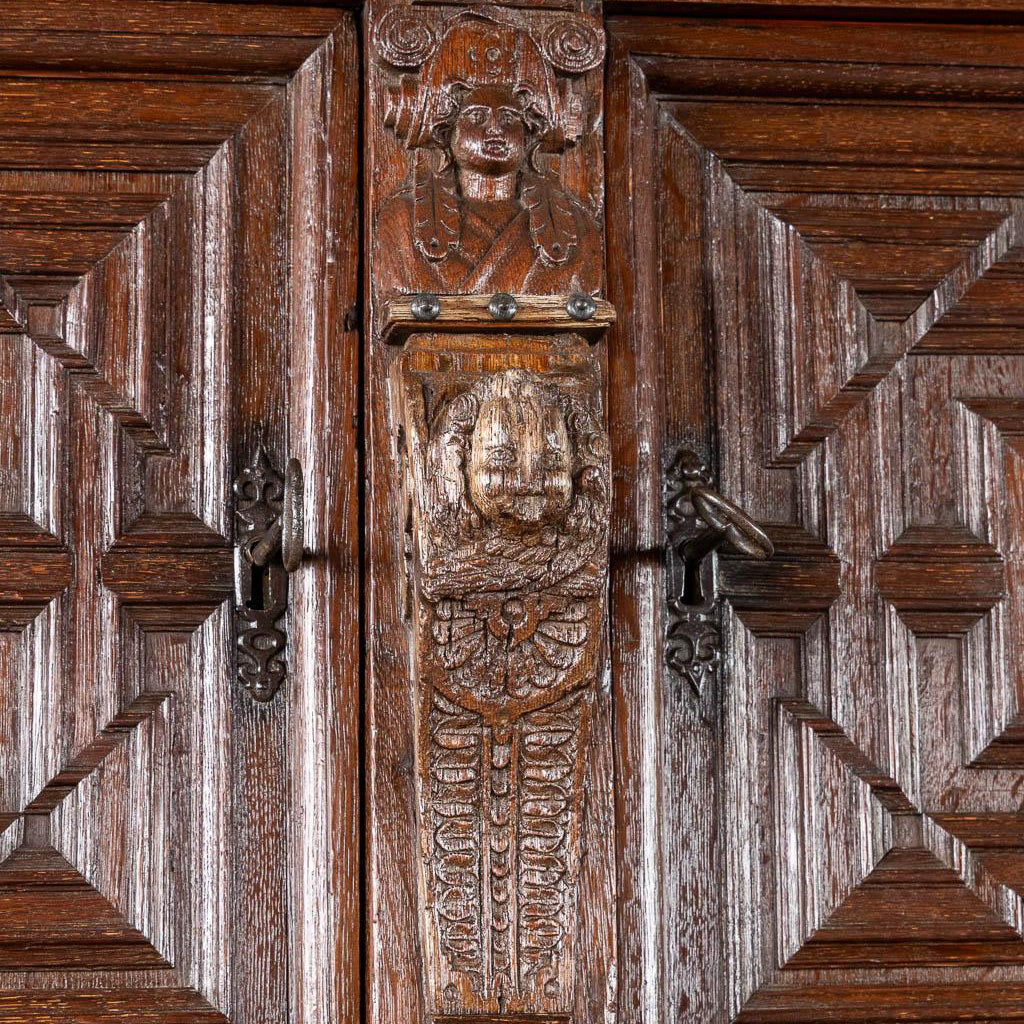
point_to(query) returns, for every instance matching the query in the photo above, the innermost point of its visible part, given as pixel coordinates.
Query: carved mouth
(530, 508)
(496, 147)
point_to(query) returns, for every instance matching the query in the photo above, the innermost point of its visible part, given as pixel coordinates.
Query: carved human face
(489, 136)
(520, 464)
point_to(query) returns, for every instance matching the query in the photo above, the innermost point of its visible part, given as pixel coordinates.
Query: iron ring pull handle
(284, 535)
(728, 524)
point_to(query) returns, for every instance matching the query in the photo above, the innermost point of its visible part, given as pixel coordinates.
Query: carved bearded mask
(489, 134)
(520, 460)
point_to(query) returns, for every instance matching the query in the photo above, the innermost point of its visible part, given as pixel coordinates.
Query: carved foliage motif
(487, 103)
(509, 489)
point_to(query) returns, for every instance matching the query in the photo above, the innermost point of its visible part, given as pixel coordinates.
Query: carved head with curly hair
(517, 454)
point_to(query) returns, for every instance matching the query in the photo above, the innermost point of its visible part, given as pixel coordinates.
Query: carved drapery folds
(485, 123)
(485, 104)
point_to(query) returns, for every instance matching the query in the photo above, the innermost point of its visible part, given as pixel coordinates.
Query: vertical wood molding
(490, 786)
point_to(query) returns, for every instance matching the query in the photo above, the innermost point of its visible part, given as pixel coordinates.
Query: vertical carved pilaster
(486, 260)
(509, 482)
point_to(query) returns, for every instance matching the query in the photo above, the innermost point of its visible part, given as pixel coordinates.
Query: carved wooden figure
(494, 105)
(509, 483)
(485, 259)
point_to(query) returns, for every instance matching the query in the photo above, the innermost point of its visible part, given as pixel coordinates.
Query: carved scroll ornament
(509, 482)
(491, 105)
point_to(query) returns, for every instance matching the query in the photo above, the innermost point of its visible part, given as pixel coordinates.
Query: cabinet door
(817, 231)
(177, 256)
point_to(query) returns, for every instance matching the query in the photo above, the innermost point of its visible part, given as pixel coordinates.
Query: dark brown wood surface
(815, 233)
(489, 842)
(178, 262)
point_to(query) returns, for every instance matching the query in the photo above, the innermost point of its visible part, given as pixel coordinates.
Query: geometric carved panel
(54, 919)
(855, 286)
(154, 865)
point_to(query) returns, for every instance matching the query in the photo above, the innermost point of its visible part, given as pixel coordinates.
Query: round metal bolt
(502, 306)
(425, 307)
(580, 306)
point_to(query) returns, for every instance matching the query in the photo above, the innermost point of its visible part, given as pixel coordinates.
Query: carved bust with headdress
(515, 526)
(483, 212)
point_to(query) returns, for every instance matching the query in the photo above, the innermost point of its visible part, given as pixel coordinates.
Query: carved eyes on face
(505, 457)
(480, 115)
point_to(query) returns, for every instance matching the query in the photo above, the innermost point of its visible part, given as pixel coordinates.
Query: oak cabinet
(511, 514)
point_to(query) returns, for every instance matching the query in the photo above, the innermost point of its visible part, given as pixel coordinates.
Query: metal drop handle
(285, 533)
(268, 530)
(700, 521)
(731, 526)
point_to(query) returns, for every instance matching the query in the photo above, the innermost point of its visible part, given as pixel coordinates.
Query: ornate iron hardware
(268, 527)
(700, 521)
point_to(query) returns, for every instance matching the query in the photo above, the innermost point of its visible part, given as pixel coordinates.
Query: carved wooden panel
(168, 849)
(486, 151)
(822, 228)
(508, 473)
(490, 859)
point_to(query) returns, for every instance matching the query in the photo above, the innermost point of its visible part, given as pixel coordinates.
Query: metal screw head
(425, 307)
(580, 306)
(502, 306)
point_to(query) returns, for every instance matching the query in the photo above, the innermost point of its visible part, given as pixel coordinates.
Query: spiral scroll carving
(574, 45)
(404, 39)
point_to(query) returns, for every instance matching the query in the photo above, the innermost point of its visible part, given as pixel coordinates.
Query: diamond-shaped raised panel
(162, 233)
(847, 236)
(893, 257)
(912, 910)
(941, 579)
(53, 919)
(833, 826)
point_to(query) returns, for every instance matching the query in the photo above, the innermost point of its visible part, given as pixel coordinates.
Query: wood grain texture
(177, 211)
(911, 10)
(824, 303)
(483, 129)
